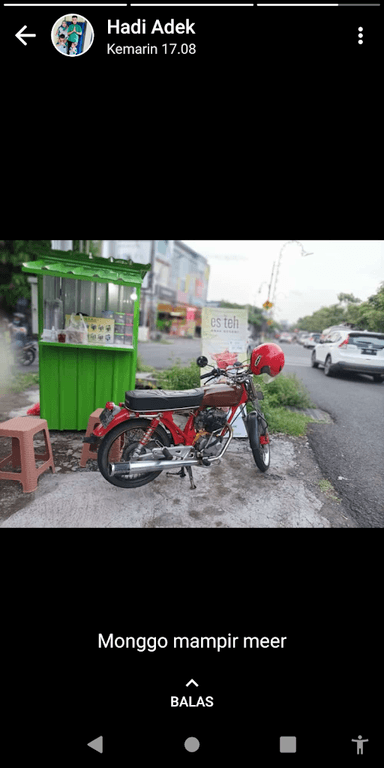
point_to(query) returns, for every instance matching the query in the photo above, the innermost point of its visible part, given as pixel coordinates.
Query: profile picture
(72, 35)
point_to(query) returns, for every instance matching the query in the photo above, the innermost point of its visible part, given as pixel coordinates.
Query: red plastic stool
(89, 450)
(21, 430)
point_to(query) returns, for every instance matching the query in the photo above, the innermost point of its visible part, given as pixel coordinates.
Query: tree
(13, 282)
(255, 314)
(322, 318)
(369, 315)
(348, 298)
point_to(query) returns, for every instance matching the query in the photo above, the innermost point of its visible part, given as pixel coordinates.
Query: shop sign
(199, 285)
(224, 334)
(164, 308)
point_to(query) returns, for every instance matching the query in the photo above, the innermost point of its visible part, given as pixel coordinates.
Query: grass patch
(287, 422)
(285, 390)
(19, 382)
(179, 377)
(327, 488)
(141, 367)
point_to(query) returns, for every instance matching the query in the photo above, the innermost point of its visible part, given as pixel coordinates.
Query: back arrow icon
(96, 744)
(20, 34)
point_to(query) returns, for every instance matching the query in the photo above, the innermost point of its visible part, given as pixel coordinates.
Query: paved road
(352, 447)
(165, 355)
(152, 353)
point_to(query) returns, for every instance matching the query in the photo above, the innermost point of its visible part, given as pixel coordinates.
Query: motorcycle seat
(163, 399)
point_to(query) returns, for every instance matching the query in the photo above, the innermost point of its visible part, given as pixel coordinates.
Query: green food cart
(78, 378)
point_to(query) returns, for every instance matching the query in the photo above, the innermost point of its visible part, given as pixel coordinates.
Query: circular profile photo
(72, 35)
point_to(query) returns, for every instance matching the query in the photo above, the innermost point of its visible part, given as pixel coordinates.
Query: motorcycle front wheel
(261, 452)
(118, 446)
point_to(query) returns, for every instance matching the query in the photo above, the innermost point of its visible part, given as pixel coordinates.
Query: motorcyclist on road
(19, 331)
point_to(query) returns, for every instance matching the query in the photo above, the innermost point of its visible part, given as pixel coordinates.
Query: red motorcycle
(139, 438)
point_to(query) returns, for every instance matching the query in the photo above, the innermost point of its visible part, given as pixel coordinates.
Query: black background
(235, 38)
(273, 124)
(322, 687)
(275, 99)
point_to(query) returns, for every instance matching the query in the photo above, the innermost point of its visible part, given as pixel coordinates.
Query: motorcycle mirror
(202, 361)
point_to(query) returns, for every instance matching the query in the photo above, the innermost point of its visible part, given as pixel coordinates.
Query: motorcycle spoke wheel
(260, 451)
(265, 455)
(120, 444)
(261, 454)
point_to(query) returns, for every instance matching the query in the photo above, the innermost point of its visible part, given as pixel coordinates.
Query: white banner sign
(224, 334)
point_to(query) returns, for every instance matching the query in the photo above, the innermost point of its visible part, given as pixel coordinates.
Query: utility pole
(266, 307)
(270, 284)
(303, 253)
(152, 289)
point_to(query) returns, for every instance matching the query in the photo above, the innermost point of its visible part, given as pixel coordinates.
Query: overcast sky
(239, 268)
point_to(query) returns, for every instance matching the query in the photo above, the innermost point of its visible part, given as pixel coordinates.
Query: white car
(311, 341)
(286, 337)
(347, 350)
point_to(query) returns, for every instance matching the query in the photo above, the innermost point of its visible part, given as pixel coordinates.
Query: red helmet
(267, 358)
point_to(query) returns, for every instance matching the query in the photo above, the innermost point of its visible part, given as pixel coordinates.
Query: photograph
(72, 35)
(186, 375)
(191, 384)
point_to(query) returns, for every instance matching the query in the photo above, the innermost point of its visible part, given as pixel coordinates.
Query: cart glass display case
(89, 358)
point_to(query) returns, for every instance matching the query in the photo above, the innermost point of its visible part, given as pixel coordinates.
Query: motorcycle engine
(210, 420)
(207, 422)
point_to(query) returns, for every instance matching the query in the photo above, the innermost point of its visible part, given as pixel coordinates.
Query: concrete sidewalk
(234, 494)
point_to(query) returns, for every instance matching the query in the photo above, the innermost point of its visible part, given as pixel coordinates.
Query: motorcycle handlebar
(220, 372)
(214, 372)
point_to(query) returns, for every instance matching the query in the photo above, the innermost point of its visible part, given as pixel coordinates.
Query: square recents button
(287, 743)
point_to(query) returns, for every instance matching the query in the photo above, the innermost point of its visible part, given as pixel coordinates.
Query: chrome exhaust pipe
(152, 465)
(123, 468)
(211, 459)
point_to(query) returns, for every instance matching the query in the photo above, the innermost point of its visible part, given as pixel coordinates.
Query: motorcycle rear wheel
(261, 453)
(27, 357)
(120, 443)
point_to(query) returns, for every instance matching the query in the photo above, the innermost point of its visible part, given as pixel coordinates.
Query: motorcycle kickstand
(181, 473)
(189, 470)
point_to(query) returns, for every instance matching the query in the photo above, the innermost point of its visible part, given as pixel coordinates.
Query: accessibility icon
(359, 744)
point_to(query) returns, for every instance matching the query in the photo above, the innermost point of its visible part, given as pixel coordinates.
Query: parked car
(286, 337)
(347, 350)
(302, 337)
(340, 327)
(312, 340)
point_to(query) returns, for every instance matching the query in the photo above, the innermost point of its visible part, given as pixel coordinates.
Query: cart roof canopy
(80, 266)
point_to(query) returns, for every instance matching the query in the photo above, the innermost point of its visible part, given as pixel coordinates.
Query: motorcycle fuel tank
(221, 395)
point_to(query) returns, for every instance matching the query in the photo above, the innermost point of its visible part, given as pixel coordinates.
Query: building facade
(188, 279)
(173, 291)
